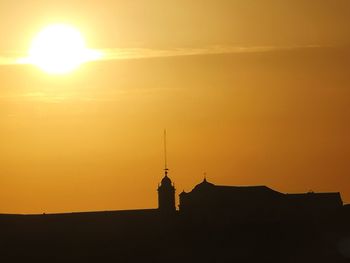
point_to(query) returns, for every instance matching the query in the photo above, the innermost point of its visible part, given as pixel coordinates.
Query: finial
(205, 177)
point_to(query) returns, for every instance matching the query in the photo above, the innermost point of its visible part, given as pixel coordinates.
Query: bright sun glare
(59, 49)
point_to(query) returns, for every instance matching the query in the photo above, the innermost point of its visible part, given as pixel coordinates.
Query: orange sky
(272, 109)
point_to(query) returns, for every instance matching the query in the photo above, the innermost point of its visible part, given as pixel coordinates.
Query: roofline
(315, 193)
(84, 212)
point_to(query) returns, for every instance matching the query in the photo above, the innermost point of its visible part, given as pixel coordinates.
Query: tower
(166, 195)
(166, 189)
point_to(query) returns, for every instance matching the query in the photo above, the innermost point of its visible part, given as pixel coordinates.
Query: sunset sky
(251, 93)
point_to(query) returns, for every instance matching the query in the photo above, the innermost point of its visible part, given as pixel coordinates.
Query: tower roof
(203, 185)
(166, 180)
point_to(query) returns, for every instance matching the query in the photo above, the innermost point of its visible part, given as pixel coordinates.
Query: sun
(59, 49)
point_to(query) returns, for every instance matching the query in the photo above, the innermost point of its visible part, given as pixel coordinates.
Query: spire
(165, 155)
(166, 190)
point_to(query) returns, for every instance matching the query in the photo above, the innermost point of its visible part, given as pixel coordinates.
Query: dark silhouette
(166, 190)
(213, 224)
(256, 203)
(166, 195)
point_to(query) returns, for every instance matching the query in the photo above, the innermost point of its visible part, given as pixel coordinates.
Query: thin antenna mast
(165, 155)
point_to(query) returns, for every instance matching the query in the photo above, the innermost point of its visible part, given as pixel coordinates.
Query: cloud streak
(137, 53)
(140, 53)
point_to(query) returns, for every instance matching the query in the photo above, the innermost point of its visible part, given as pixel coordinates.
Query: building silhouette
(255, 203)
(166, 189)
(166, 194)
(213, 224)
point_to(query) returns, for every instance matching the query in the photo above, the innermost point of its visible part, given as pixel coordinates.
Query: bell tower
(166, 195)
(166, 189)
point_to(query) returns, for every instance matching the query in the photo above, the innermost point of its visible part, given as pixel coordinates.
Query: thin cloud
(139, 53)
(49, 97)
(136, 53)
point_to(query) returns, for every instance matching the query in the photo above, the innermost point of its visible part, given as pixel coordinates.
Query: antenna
(165, 155)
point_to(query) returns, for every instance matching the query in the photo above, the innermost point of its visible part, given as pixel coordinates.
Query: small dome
(166, 180)
(203, 185)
